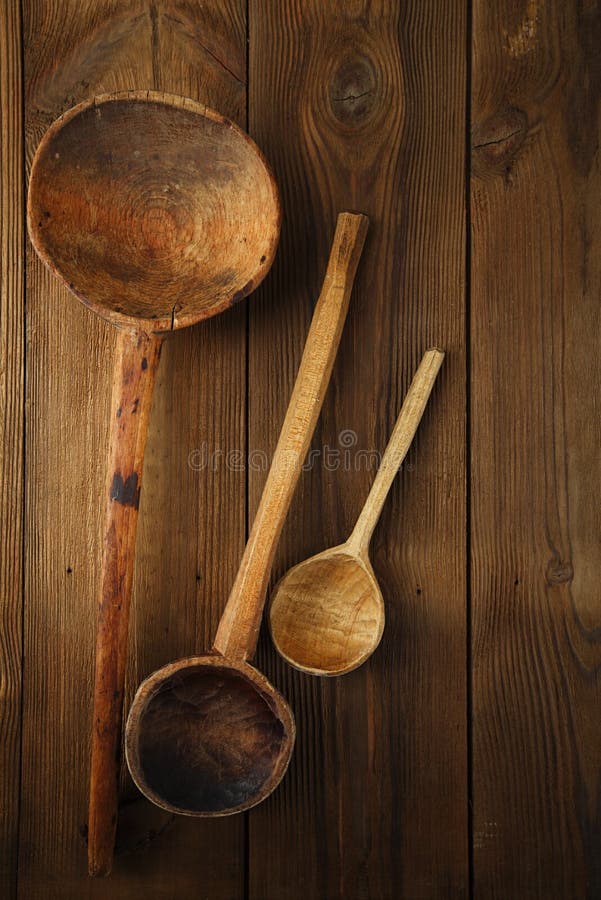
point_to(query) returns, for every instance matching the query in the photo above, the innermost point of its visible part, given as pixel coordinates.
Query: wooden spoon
(327, 613)
(156, 212)
(209, 735)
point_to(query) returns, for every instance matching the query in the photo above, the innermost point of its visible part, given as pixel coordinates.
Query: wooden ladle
(326, 614)
(209, 735)
(156, 212)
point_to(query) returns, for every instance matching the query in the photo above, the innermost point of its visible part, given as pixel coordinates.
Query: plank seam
(246, 826)
(468, 454)
(19, 7)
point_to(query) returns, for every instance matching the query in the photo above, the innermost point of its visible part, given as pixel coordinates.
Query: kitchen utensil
(156, 212)
(327, 613)
(209, 735)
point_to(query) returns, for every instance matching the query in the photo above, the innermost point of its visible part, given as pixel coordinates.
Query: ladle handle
(402, 436)
(136, 359)
(239, 626)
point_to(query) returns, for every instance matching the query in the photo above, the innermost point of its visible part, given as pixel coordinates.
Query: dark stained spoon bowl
(208, 736)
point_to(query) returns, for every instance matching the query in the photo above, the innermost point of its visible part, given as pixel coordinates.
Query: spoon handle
(136, 359)
(239, 626)
(404, 431)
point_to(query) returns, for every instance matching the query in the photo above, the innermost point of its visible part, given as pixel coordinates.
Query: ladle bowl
(208, 737)
(156, 212)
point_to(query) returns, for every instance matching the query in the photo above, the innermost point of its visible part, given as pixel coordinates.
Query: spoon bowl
(153, 207)
(235, 737)
(328, 611)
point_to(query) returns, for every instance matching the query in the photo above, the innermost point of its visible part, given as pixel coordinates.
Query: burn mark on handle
(127, 492)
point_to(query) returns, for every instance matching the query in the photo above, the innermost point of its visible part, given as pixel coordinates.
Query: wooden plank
(536, 432)
(192, 519)
(12, 372)
(361, 106)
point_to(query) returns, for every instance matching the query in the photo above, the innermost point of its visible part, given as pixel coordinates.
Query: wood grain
(403, 435)
(74, 50)
(536, 430)
(361, 105)
(12, 373)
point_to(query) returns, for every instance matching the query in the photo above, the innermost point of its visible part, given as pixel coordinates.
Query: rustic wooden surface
(12, 372)
(535, 449)
(464, 759)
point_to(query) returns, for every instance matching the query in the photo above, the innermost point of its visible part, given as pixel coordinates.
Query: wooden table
(464, 759)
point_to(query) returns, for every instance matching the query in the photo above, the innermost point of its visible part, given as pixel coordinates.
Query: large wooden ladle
(326, 614)
(156, 212)
(209, 735)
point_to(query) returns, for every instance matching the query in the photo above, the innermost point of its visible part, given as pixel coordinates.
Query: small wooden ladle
(327, 613)
(209, 735)
(156, 212)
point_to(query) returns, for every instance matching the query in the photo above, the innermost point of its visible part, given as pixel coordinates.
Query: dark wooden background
(464, 761)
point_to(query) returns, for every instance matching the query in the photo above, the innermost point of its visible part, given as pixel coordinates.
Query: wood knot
(559, 572)
(496, 141)
(352, 92)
